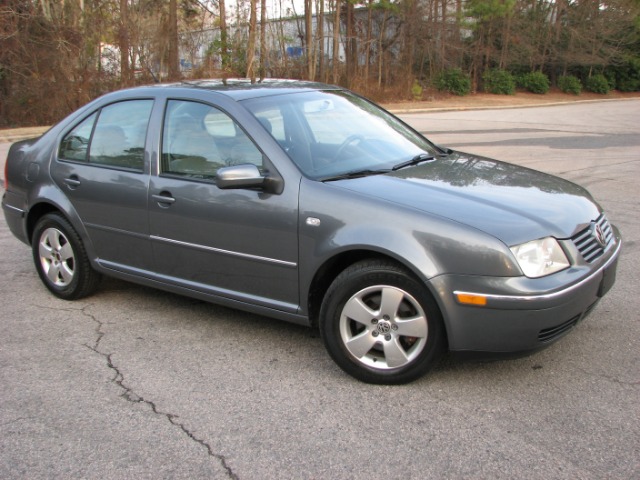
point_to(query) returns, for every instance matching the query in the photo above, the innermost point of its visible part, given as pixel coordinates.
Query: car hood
(512, 203)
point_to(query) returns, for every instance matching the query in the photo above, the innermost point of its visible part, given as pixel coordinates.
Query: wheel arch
(333, 266)
(43, 207)
(36, 212)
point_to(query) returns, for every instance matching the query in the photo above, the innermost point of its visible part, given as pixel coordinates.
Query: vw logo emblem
(383, 327)
(598, 234)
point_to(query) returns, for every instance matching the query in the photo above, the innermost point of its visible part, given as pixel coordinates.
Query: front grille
(587, 242)
(549, 334)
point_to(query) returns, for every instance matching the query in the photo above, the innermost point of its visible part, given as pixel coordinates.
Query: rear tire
(380, 324)
(61, 259)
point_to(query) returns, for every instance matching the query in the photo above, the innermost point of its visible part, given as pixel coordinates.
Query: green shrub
(416, 90)
(454, 81)
(570, 84)
(629, 84)
(535, 82)
(597, 84)
(499, 82)
(628, 75)
(521, 80)
(610, 75)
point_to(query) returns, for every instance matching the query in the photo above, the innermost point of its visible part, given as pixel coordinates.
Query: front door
(238, 244)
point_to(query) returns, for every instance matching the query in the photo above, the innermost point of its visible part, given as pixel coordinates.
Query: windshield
(334, 133)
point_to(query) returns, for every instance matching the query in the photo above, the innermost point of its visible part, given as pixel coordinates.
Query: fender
(426, 244)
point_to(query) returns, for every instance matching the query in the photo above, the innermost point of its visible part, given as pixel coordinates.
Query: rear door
(101, 166)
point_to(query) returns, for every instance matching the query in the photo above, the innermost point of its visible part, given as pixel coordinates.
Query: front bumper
(521, 314)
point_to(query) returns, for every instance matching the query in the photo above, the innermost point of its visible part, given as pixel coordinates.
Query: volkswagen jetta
(308, 203)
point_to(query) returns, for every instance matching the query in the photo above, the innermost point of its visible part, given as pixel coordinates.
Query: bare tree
(351, 43)
(308, 38)
(263, 39)
(336, 42)
(57, 54)
(251, 47)
(172, 27)
(123, 37)
(320, 38)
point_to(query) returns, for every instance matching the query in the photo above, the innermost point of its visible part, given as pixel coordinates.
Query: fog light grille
(549, 334)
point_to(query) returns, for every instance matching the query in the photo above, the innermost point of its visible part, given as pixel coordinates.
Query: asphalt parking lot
(138, 383)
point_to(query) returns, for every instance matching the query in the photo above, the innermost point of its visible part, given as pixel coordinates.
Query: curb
(397, 111)
(15, 135)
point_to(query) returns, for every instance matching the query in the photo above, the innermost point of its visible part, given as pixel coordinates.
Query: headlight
(540, 257)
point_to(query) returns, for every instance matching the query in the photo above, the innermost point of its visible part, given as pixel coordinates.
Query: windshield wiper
(355, 174)
(421, 157)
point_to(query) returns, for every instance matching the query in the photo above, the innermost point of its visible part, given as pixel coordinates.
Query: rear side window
(75, 145)
(118, 139)
(114, 136)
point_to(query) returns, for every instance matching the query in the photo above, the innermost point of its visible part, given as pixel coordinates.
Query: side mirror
(246, 176)
(239, 176)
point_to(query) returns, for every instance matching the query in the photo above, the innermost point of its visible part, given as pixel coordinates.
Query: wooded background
(56, 55)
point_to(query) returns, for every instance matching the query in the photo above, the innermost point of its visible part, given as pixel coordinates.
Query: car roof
(242, 88)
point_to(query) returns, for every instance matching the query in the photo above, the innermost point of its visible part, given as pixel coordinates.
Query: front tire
(380, 324)
(61, 259)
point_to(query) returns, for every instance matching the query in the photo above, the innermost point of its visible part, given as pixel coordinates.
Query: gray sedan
(308, 203)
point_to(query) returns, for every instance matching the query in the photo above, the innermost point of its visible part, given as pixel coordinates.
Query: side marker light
(468, 299)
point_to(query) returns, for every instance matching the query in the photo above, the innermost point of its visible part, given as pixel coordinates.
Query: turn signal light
(470, 299)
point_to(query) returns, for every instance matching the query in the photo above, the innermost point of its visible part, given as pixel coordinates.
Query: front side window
(198, 139)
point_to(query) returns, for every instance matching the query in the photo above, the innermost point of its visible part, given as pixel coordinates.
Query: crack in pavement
(15, 420)
(131, 396)
(610, 378)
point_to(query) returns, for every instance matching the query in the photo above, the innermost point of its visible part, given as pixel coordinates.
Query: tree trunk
(308, 38)
(444, 41)
(263, 39)
(506, 40)
(251, 47)
(224, 50)
(381, 49)
(336, 43)
(123, 40)
(174, 59)
(352, 46)
(367, 50)
(410, 36)
(320, 36)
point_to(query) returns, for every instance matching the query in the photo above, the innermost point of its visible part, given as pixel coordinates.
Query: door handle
(164, 199)
(72, 181)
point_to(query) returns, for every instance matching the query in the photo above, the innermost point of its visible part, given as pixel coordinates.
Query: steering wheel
(347, 141)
